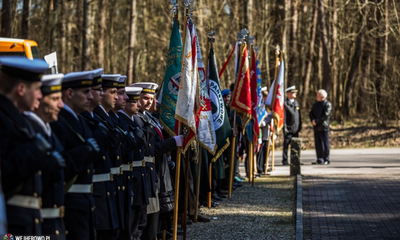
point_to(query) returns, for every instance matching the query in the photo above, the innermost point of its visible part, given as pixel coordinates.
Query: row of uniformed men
(79, 153)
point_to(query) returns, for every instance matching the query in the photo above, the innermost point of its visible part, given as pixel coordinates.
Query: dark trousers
(286, 142)
(322, 145)
(107, 234)
(139, 221)
(150, 231)
(261, 157)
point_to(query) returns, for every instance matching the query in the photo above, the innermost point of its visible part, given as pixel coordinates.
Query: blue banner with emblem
(261, 111)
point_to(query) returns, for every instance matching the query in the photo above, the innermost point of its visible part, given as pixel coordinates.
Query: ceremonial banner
(188, 91)
(277, 100)
(220, 117)
(254, 96)
(261, 111)
(241, 97)
(205, 130)
(172, 79)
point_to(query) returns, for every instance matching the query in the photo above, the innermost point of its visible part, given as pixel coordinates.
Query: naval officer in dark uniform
(292, 122)
(53, 209)
(82, 149)
(23, 153)
(155, 147)
(140, 184)
(107, 224)
(133, 138)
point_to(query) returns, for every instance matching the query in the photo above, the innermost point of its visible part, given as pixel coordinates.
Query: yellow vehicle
(18, 47)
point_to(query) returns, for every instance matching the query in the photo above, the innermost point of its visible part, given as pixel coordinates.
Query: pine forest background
(348, 47)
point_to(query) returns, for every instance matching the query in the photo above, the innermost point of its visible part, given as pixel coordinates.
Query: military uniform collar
(8, 108)
(66, 107)
(104, 110)
(124, 113)
(45, 126)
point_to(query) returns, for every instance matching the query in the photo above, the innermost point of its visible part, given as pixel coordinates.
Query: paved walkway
(351, 207)
(357, 196)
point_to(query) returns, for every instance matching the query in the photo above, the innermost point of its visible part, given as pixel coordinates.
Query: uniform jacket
(140, 185)
(72, 133)
(320, 112)
(116, 161)
(53, 187)
(21, 162)
(292, 117)
(103, 192)
(154, 145)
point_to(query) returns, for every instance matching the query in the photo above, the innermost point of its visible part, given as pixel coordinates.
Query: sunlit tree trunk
(132, 42)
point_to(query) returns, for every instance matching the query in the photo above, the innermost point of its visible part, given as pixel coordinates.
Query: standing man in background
(319, 117)
(292, 121)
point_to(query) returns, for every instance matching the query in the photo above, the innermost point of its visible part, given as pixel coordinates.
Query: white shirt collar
(45, 126)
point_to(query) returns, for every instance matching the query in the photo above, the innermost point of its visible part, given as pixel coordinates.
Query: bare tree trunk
(51, 22)
(295, 56)
(101, 32)
(279, 22)
(309, 64)
(132, 41)
(349, 88)
(86, 31)
(6, 19)
(25, 19)
(63, 37)
(249, 15)
(325, 43)
(244, 21)
(77, 36)
(335, 98)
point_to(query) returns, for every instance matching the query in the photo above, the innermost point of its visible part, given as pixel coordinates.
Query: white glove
(179, 140)
(259, 141)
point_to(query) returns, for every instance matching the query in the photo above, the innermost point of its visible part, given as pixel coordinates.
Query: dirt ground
(355, 134)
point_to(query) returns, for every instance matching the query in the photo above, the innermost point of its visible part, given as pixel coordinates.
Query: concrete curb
(299, 209)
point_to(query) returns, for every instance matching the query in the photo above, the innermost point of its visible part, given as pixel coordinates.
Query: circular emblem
(173, 84)
(217, 103)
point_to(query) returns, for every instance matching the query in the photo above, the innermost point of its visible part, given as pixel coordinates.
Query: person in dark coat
(140, 184)
(53, 210)
(133, 139)
(107, 224)
(319, 117)
(81, 149)
(23, 153)
(155, 147)
(292, 123)
(102, 112)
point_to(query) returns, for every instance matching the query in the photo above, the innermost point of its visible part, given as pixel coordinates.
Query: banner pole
(233, 153)
(185, 203)
(196, 204)
(178, 154)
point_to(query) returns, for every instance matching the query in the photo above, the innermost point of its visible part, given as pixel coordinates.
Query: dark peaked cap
(110, 80)
(133, 93)
(26, 69)
(148, 87)
(121, 81)
(78, 80)
(97, 80)
(51, 83)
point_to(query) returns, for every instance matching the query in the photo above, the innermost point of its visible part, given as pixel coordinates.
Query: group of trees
(347, 47)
